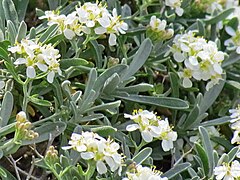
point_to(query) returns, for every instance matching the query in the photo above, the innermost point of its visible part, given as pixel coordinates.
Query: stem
(79, 50)
(8, 144)
(45, 119)
(55, 173)
(139, 147)
(90, 170)
(15, 167)
(26, 93)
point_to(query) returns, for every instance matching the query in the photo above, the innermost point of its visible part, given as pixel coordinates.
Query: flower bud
(51, 155)
(21, 116)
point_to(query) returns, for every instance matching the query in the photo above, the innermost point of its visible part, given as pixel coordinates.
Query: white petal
(193, 60)
(184, 47)
(111, 163)
(14, 49)
(117, 158)
(81, 148)
(104, 21)
(178, 56)
(238, 50)
(100, 30)
(228, 42)
(187, 83)
(112, 40)
(69, 34)
(167, 145)
(132, 127)
(209, 85)
(147, 136)
(217, 68)
(101, 167)
(87, 155)
(86, 30)
(230, 31)
(90, 23)
(179, 11)
(42, 67)
(31, 73)
(20, 61)
(50, 76)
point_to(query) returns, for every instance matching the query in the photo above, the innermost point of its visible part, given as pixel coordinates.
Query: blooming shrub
(123, 90)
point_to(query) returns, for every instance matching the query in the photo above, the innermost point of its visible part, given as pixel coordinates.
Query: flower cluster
(151, 127)
(51, 155)
(92, 19)
(235, 115)
(202, 60)
(144, 173)
(94, 147)
(175, 4)
(227, 171)
(157, 29)
(23, 128)
(37, 57)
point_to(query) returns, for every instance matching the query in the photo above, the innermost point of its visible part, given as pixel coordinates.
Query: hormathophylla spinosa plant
(70, 81)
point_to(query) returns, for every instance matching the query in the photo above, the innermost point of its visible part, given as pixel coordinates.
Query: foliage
(119, 89)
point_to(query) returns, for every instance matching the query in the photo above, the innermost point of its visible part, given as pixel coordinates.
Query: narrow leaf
(139, 59)
(220, 17)
(216, 122)
(22, 31)
(175, 170)
(207, 147)
(6, 108)
(46, 131)
(10, 12)
(168, 102)
(210, 96)
(142, 155)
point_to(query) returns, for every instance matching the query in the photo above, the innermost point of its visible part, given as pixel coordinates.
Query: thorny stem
(15, 166)
(36, 152)
(31, 168)
(22, 171)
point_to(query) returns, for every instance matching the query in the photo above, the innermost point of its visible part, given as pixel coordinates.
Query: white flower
(144, 120)
(53, 18)
(157, 29)
(166, 134)
(112, 39)
(236, 137)
(201, 59)
(94, 147)
(90, 18)
(33, 54)
(175, 4)
(227, 171)
(235, 114)
(144, 173)
(69, 34)
(150, 127)
(31, 73)
(234, 42)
